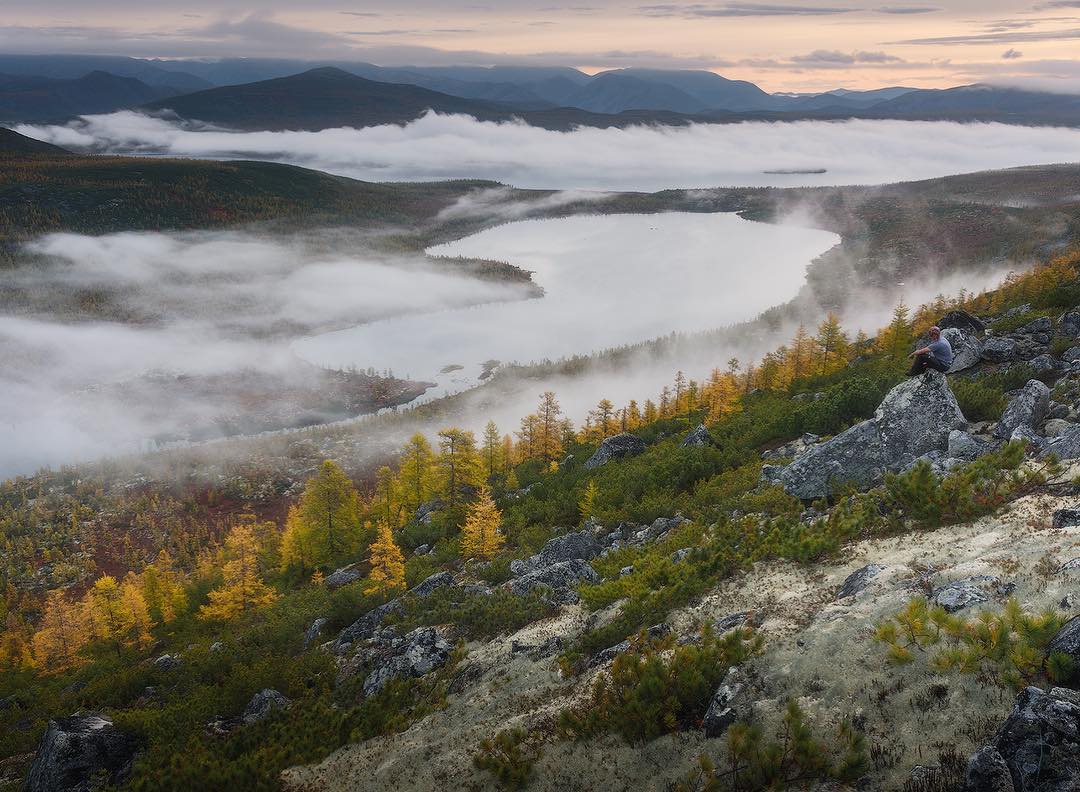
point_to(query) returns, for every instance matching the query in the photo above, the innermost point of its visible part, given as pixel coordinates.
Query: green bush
(507, 757)
(658, 687)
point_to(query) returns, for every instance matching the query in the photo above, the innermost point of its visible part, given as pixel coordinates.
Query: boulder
(962, 320)
(1027, 409)
(1042, 325)
(263, 704)
(998, 349)
(963, 445)
(681, 554)
(699, 438)
(581, 545)
(1071, 355)
(858, 580)
(792, 449)
(422, 550)
(730, 622)
(1066, 445)
(217, 646)
(365, 627)
(967, 348)
(915, 418)
(80, 753)
(1056, 427)
(1067, 640)
(314, 631)
(560, 579)
(987, 772)
(657, 529)
(167, 662)
(1040, 740)
(615, 447)
(343, 577)
(721, 712)
(1043, 364)
(1066, 518)
(431, 584)
(420, 652)
(1028, 436)
(962, 594)
(1069, 324)
(654, 633)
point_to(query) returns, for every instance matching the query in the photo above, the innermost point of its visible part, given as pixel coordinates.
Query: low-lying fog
(637, 158)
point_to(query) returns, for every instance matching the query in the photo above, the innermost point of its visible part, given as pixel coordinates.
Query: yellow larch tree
(480, 536)
(459, 462)
(417, 474)
(117, 613)
(63, 632)
(163, 589)
(387, 563)
(325, 529)
(242, 589)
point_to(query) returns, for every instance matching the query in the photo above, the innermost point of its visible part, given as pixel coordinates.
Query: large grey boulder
(263, 704)
(615, 447)
(858, 580)
(365, 627)
(722, 710)
(1040, 740)
(699, 438)
(418, 653)
(1027, 409)
(965, 446)
(967, 347)
(77, 754)
(915, 418)
(1069, 324)
(581, 545)
(998, 349)
(343, 577)
(1065, 446)
(1067, 640)
(431, 584)
(962, 320)
(560, 579)
(960, 594)
(314, 631)
(987, 772)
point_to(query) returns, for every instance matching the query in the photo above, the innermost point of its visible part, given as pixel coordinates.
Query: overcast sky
(786, 45)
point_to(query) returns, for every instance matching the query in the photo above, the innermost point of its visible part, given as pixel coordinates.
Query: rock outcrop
(418, 653)
(263, 704)
(80, 753)
(915, 418)
(343, 577)
(858, 580)
(1040, 740)
(1067, 641)
(998, 349)
(580, 546)
(615, 447)
(1027, 409)
(365, 627)
(558, 579)
(699, 438)
(987, 772)
(431, 584)
(722, 708)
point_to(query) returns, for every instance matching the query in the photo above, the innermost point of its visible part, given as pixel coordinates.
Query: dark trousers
(924, 362)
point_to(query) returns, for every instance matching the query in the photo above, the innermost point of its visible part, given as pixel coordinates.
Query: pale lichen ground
(816, 648)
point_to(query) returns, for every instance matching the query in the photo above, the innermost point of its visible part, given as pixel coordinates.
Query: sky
(785, 45)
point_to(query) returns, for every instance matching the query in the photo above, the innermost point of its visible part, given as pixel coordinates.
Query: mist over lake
(435, 147)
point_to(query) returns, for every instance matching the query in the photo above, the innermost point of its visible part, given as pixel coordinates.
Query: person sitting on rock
(937, 355)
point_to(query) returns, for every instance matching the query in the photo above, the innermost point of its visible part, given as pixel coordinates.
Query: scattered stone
(962, 594)
(1067, 640)
(1056, 427)
(722, 713)
(418, 653)
(432, 583)
(615, 447)
(314, 631)
(966, 345)
(549, 648)
(997, 349)
(263, 704)
(915, 418)
(626, 570)
(658, 529)
(730, 622)
(1066, 518)
(965, 446)
(1040, 325)
(1066, 445)
(581, 546)
(792, 449)
(80, 753)
(1027, 409)
(560, 578)
(1071, 355)
(699, 438)
(167, 662)
(1040, 740)
(858, 580)
(422, 550)
(343, 577)
(1069, 566)
(1027, 435)
(654, 633)
(1045, 363)
(962, 320)
(1069, 324)
(217, 646)
(681, 554)
(365, 627)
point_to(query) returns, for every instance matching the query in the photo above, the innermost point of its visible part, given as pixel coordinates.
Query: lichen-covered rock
(1056, 427)
(858, 580)
(963, 445)
(1066, 445)
(77, 754)
(418, 653)
(365, 627)
(656, 530)
(966, 345)
(263, 704)
(722, 710)
(699, 438)
(560, 579)
(987, 772)
(1040, 325)
(1026, 409)
(615, 447)
(1066, 518)
(962, 594)
(1043, 364)
(998, 349)
(792, 449)
(1067, 640)
(915, 418)
(431, 584)
(167, 662)
(582, 545)
(1040, 740)
(314, 631)
(343, 577)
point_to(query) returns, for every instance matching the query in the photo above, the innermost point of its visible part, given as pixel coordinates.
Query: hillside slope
(31, 98)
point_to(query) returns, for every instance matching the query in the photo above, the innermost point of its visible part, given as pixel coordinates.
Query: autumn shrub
(657, 687)
(509, 757)
(1006, 648)
(796, 758)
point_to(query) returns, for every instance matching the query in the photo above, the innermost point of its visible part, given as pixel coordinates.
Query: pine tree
(418, 476)
(480, 536)
(62, 633)
(387, 563)
(242, 589)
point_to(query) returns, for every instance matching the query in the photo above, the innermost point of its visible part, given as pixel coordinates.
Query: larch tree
(548, 425)
(459, 462)
(242, 589)
(386, 501)
(63, 632)
(328, 518)
(896, 339)
(163, 589)
(480, 536)
(386, 561)
(296, 544)
(832, 344)
(418, 476)
(528, 433)
(117, 616)
(587, 504)
(492, 451)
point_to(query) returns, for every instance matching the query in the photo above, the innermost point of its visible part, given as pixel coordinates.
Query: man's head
(935, 333)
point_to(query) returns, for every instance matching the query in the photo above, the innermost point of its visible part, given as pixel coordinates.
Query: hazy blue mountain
(712, 91)
(984, 102)
(614, 92)
(30, 98)
(68, 67)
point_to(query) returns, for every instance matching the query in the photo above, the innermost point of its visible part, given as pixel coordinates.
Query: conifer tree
(386, 561)
(418, 476)
(242, 589)
(492, 451)
(832, 345)
(116, 615)
(480, 536)
(163, 589)
(15, 651)
(459, 462)
(62, 633)
(895, 341)
(587, 504)
(548, 425)
(386, 501)
(297, 549)
(326, 529)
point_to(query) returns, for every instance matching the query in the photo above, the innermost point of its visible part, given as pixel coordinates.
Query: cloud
(740, 10)
(835, 58)
(1010, 37)
(1011, 54)
(907, 10)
